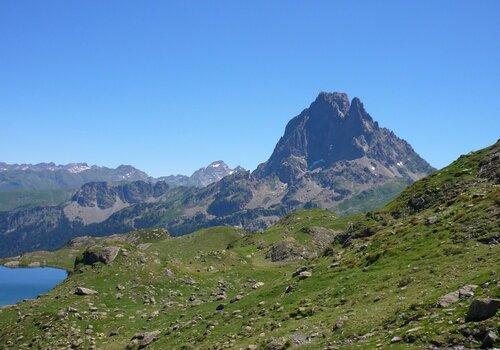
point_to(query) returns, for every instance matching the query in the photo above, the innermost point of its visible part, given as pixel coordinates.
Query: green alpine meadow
(420, 272)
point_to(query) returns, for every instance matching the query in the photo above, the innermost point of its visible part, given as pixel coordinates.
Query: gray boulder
(466, 291)
(84, 291)
(168, 273)
(300, 270)
(97, 254)
(304, 274)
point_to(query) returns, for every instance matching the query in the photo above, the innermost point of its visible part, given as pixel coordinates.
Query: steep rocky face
(212, 173)
(104, 195)
(99, 194)
(332, 130)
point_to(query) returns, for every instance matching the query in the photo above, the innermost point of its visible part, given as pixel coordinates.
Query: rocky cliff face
(104, 195)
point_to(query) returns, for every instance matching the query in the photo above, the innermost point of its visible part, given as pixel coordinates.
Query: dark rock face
(104, 195)
(482, 309)
(333, 130)
(231, 197)
(98, 194)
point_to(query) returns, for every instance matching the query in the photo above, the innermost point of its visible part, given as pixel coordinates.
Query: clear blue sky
(171, 86)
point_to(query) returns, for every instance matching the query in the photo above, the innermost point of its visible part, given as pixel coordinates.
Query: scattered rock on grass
(396, 339)
(236, 298)
(339, 323)
(142, 340)
(305, 274)
(277, 344)
(489, 340)
(84, 291)
(257, 285)
(465, 292)
(299, 270)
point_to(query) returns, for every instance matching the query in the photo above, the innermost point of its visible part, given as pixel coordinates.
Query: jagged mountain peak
(333, 100)
(333, 129)
(217, 164)
(204, 176)
(214, 172)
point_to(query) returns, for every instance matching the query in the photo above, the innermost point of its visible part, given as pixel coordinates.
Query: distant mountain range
(332, 155)
(51, 184)
(49, 176)
(203, 176)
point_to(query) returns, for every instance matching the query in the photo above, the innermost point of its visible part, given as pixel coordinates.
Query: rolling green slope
(313, 281)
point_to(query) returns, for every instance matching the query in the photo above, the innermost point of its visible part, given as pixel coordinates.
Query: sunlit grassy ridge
(375, 278)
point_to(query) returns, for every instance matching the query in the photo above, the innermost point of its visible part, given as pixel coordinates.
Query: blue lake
(17, 284)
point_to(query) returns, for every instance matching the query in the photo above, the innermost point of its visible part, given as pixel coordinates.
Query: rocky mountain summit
(202, 177)
(334, 133)
(333, 155)
(212, 173)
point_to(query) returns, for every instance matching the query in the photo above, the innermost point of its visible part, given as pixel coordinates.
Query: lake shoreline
(20, 283)
(16, 264)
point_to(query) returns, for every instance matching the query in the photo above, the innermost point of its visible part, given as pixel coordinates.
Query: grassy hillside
(372, 198)
(367, 281)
